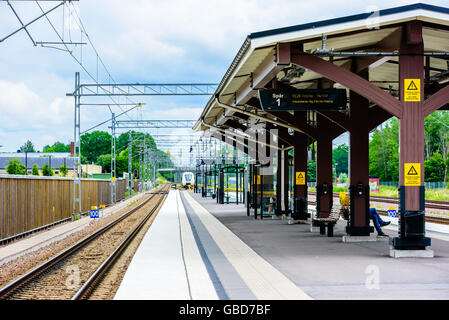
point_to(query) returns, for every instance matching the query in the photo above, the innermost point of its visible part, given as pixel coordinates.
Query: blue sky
(139, 41)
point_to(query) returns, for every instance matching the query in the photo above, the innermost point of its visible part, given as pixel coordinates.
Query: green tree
(63, 170)
(384, 152)
(15, 167)
(311, 170)
(47, 171)
(35, 170)
(104, 161)
(27, 147)
(434, 168)
(340, 156)
(57, 147)
(95, 144)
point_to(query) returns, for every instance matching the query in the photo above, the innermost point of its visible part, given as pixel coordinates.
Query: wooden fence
(30, 202)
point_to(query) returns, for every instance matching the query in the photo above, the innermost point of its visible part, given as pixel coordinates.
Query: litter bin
(301, 209)
(414, 224)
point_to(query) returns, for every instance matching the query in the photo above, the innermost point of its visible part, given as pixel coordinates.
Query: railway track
(76, 272)
(433, 219)
(433, 204)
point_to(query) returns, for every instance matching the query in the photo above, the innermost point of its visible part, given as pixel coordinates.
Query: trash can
(414, 224)
(301, 209)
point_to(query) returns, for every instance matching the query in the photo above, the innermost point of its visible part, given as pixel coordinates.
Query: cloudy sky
(153, 41)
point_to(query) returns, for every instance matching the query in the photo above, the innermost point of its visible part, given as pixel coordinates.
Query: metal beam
(146, 89)
(148, 124)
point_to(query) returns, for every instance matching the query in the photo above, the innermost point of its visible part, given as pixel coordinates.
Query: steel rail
(95, 278)
(32, 274)
(439, 220)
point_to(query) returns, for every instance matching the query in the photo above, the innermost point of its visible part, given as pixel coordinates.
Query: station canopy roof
(367, 32)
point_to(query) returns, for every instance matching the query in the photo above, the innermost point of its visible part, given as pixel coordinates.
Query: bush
(47, 171)
(343, 177)
(35, 170)
(15, 167)
(63, 170)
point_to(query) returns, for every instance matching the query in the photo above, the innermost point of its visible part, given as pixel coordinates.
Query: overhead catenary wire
(79, 61)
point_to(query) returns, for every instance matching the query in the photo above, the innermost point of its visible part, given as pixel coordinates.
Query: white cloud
(20, 106)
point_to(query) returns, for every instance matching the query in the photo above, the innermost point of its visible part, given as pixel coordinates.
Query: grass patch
(431, 194)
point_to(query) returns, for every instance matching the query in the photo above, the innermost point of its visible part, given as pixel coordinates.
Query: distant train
(188, 179)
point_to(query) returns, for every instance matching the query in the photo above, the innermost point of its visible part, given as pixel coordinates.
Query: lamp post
(336, 177)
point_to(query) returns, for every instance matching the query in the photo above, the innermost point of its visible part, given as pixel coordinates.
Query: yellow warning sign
(113, 179)
(412, 90)
(300, 178)
(258, 179)
(412, 174)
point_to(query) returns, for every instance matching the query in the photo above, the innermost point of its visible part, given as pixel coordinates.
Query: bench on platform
(328, 222)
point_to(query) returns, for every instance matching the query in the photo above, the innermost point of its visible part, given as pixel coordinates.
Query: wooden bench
(328, 222)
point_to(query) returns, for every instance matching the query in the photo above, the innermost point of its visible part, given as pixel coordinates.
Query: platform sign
(392, 212)
(412, 174)
(302, 99)
(412, 90)
(94, 212)
(300, 178)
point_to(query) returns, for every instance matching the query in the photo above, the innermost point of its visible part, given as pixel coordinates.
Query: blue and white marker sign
(94, 212)
(392, 212)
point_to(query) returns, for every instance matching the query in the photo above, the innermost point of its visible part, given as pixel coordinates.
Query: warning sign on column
(412, 174)
(412, 90)
(300, 178)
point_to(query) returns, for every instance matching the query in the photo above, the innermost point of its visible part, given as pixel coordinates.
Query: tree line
(384, 149)
(96, 149)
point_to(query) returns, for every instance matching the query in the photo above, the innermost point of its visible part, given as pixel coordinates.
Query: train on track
(188, 179)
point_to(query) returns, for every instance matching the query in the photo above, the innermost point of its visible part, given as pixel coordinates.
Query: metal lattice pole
(77, 152)
(130, 163)
(113, 163)
(140, 168)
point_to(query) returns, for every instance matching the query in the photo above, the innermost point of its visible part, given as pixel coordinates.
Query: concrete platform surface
(327, 268)
(188, 254)
(167, 265)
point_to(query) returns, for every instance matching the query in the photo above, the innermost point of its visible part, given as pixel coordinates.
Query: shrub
(15, 167)
(63, 170)
(35, 170)
(47, 171)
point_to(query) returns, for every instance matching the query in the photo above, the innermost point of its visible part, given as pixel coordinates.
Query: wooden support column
(358, 224)
(279, 181)
(324, 193)
(411, 140)
(286, 181)
(300, 177)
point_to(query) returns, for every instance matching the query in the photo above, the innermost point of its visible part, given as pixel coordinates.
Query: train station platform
(198, 249)
(327, 268)
(44, 238)
(189, 254)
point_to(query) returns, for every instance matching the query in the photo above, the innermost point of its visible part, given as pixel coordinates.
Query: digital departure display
(302, 99)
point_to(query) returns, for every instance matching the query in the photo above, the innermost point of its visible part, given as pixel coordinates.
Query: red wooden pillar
(411, 140)
(358, 224)
(324, 193)
(278, 180)
(300, 177)
(286, 182)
